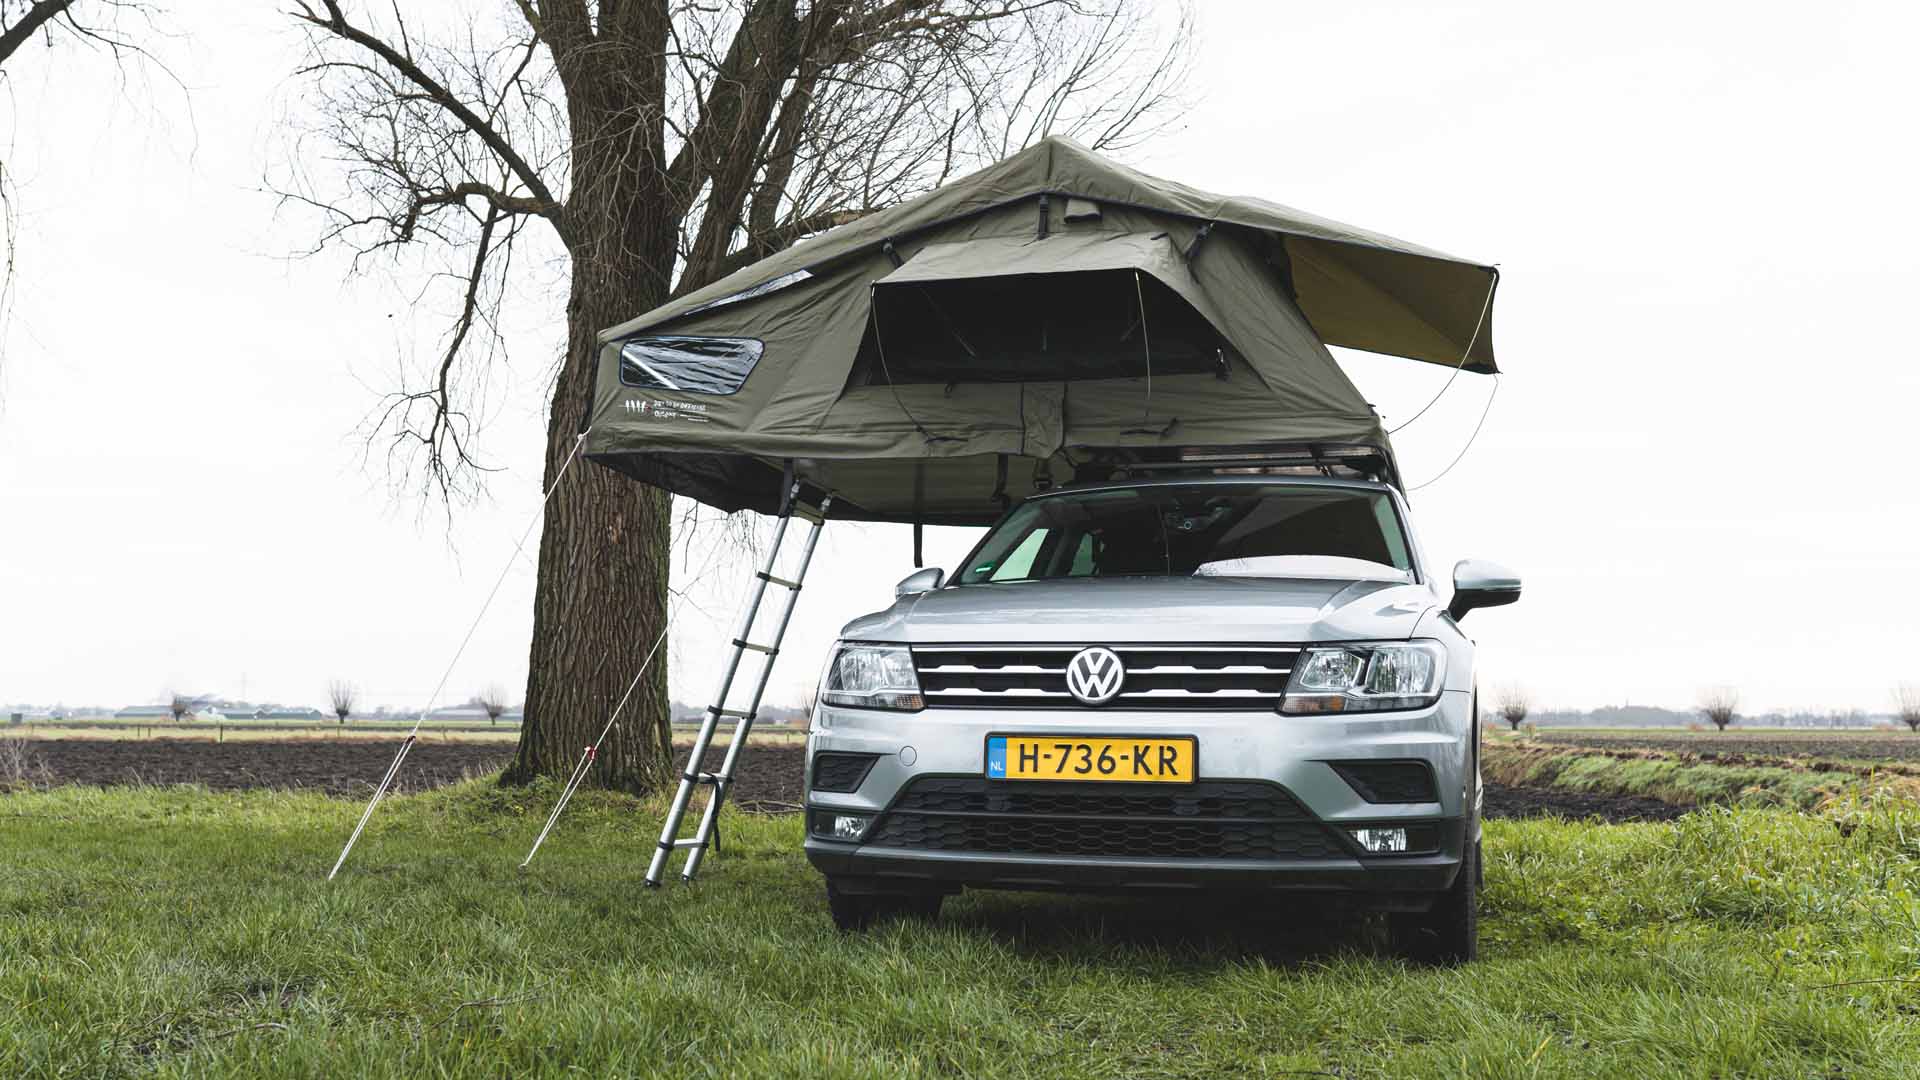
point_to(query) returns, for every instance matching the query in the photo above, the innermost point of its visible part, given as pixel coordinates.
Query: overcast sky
(1701, 458)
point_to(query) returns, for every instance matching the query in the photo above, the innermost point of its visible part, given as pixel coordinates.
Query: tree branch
(783, 236)
(498, 200)
(765, 48)
(37, 16)
(545, 205)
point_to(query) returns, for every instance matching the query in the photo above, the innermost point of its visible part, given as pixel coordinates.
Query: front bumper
(1293, 755)
(875, 868)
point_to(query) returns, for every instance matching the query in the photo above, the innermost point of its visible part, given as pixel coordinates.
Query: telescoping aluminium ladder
(705, 834)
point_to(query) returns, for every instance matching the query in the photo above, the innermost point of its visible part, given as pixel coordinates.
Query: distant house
(143, 712)
(286, 712)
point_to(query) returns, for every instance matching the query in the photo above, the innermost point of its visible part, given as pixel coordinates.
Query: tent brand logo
(667, 410)
(1095, 675)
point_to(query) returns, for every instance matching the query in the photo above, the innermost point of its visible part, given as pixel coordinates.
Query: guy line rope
(592, 753)
(1479, 324)
(393, 770)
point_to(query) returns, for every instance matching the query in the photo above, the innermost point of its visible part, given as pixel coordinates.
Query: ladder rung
(702, 778)
(808, 513)
(780, 581)
(735, 713)
(689, 843)
(756, 647)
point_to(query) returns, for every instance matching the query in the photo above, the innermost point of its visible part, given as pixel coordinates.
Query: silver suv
(1223, 682)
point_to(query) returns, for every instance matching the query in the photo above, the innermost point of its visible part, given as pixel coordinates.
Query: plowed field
(769, 779)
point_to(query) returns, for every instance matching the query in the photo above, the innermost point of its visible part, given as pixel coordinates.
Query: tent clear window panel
(694, 365)
(1183, 529)
(1035, 328)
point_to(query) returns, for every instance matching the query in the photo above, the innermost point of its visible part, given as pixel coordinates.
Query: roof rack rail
(1355, 461)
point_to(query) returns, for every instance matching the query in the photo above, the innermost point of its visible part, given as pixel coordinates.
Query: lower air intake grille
(1389, 781)
(1207, 820)
(840, 772)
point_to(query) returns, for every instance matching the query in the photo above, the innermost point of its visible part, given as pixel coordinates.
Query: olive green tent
(1053, 317)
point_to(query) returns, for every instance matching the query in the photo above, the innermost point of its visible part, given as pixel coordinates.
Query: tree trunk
(599, 601)
(601, 592)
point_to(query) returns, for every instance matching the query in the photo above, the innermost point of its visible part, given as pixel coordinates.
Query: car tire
(1448, 933)
(856, 911)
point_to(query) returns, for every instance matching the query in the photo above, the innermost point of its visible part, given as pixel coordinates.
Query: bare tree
(97, 24)
(342, 694)
(1719, 705)
(1514, 704)
(100, 24)
(494, 700)
(653, 147)
(179, 705)
(21, 765)
(1906, 705)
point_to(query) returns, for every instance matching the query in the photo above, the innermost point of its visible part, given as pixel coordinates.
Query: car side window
(1390, 530)
(1018, 565)
(1084, 557)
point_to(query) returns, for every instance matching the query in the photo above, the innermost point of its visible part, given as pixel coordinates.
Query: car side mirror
(1478, 583)
(920, 581)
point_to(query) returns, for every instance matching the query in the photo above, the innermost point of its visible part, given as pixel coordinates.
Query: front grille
(1389, 781)
(1207, 820)
(1159, 677)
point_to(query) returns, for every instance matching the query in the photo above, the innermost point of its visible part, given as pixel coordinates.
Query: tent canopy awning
(1052, 317)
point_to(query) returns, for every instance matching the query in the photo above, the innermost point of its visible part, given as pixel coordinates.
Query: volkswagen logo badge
(1095, 675)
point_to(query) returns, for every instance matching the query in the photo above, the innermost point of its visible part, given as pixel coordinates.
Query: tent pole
(919, 499)
(1146, 343)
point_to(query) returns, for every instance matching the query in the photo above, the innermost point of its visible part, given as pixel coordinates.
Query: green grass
(180, 933)
(1685, 781)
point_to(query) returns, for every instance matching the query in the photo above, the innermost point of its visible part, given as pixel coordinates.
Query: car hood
(1197, 609)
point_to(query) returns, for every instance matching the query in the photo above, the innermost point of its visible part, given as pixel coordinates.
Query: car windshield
(1180, 530)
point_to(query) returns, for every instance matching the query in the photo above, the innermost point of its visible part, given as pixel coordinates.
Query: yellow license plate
(1049, 757)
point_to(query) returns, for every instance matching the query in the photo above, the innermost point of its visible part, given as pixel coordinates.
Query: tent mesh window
(698, 365)
(1034, 328)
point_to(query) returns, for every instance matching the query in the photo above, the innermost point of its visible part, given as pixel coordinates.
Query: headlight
(872, 677)
(1366, 678)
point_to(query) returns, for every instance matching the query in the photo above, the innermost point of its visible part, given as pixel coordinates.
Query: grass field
(1854, 745)
(173, 932)
(1689, 768)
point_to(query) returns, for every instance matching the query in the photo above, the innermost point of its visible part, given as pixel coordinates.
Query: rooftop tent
(1052, 317)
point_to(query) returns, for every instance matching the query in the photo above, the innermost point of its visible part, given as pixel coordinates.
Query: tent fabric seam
(608, 336)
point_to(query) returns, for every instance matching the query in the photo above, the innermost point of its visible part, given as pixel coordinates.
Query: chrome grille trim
(1159, 677)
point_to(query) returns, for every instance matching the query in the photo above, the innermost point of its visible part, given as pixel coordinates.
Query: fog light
(1382, 841)
(854, 826)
